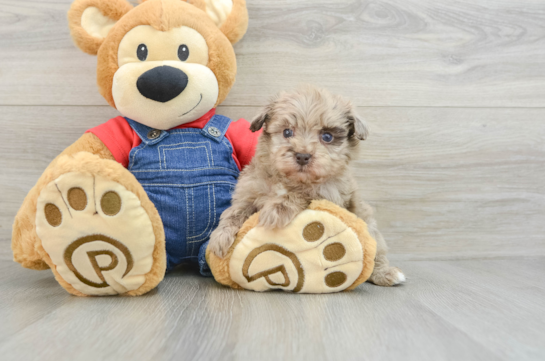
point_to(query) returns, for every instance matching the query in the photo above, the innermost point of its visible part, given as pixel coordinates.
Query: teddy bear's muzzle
(162, 83)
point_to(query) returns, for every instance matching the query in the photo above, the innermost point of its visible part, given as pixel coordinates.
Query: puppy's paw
(276, 216)
(387, 276)
(221, 240)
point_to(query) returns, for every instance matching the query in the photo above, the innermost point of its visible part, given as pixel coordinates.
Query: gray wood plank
(448, 310)
(447, 182)
(480, 296)
(25, 297)
(380, 53)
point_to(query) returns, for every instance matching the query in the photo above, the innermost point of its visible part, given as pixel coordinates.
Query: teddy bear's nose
(162, 83)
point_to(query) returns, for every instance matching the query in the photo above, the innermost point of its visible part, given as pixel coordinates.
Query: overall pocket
(186, 155)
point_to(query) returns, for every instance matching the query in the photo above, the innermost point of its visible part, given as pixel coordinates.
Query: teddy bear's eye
(183, 52)
(142, 52)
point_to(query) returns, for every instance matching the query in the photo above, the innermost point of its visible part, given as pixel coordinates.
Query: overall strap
(216, 128)
(148, 135)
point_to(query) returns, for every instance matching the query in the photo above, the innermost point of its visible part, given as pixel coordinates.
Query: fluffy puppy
(309, 138)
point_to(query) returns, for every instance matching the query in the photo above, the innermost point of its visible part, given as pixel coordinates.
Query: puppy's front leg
(278, 212)
(383, 274)
(230, 222)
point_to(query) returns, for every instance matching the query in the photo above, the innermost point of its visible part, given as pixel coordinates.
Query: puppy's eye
(142, 52)
(183, 52)
(327, 137)
(288, 133)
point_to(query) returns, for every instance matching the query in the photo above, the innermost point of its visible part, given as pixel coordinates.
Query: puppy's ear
(259, 120)
(357, 127)
(91, 20)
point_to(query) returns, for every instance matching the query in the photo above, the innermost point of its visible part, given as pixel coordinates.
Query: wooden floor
(448, 310)
(454, 94)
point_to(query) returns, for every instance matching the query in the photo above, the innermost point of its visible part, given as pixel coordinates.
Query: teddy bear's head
(164, 62)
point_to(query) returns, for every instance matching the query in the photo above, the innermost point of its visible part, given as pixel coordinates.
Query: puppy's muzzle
(162, 83)
(302, 158)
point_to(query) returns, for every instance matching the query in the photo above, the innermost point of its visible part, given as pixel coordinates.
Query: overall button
(215, 132)
(154, 134)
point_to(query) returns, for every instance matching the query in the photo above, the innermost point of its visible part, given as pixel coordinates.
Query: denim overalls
(189, 174)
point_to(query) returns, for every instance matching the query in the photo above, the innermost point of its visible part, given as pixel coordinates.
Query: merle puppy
(309, 139)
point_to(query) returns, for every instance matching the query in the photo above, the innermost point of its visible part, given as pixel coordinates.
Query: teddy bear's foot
(325, 249)
(97, 234)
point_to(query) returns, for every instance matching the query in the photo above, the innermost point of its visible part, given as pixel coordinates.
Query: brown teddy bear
(141, 193)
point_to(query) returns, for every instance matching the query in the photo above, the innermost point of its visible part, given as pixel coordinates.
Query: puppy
(309, 138)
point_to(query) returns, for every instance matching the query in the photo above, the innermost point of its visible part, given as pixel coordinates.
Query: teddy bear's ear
(231, 16)
(91, 20)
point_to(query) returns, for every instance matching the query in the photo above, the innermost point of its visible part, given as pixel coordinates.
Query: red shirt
(118, 136)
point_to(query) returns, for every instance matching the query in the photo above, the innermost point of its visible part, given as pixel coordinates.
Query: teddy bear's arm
(24, 237)
(87, 143)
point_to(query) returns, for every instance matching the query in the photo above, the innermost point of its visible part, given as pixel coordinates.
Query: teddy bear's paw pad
(96, 232)
(316, 253)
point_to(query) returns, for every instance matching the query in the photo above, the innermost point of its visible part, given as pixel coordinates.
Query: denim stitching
(212, 155)
(209, 216)
(160, 159)
(231, 161)
(187, 130)
(134, 154)
(206, 145)
(184, 185)
(215, 212)
(171, 145)
(193, 223)
(209, 230)
(165, 156)
(184, 170)
(188, 222)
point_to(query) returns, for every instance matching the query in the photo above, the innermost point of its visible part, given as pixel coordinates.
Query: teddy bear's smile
(192, 108)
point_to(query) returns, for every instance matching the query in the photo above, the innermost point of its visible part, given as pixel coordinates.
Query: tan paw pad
(96, 232)
(316, 253)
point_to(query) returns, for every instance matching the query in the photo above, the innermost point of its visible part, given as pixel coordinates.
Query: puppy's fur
(280, 188)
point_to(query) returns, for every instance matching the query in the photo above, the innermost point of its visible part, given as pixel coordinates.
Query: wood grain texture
(448, 310)
(380, 53)
(453, 92)
(447, 183)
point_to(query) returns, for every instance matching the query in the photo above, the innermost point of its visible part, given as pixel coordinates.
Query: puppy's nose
(162, 83)
(302, 158)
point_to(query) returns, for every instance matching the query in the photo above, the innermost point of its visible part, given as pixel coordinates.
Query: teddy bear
(140, 194)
